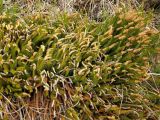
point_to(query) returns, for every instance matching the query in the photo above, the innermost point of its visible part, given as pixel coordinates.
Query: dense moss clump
(86, 69)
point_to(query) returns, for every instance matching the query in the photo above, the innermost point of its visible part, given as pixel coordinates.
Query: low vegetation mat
(72, 68)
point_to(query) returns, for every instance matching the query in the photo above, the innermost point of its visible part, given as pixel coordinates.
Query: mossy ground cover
(72, 68)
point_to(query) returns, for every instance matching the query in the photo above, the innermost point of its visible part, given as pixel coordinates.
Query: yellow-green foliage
(89, 70)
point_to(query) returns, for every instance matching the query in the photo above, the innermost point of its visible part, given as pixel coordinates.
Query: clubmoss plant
(84, 69)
